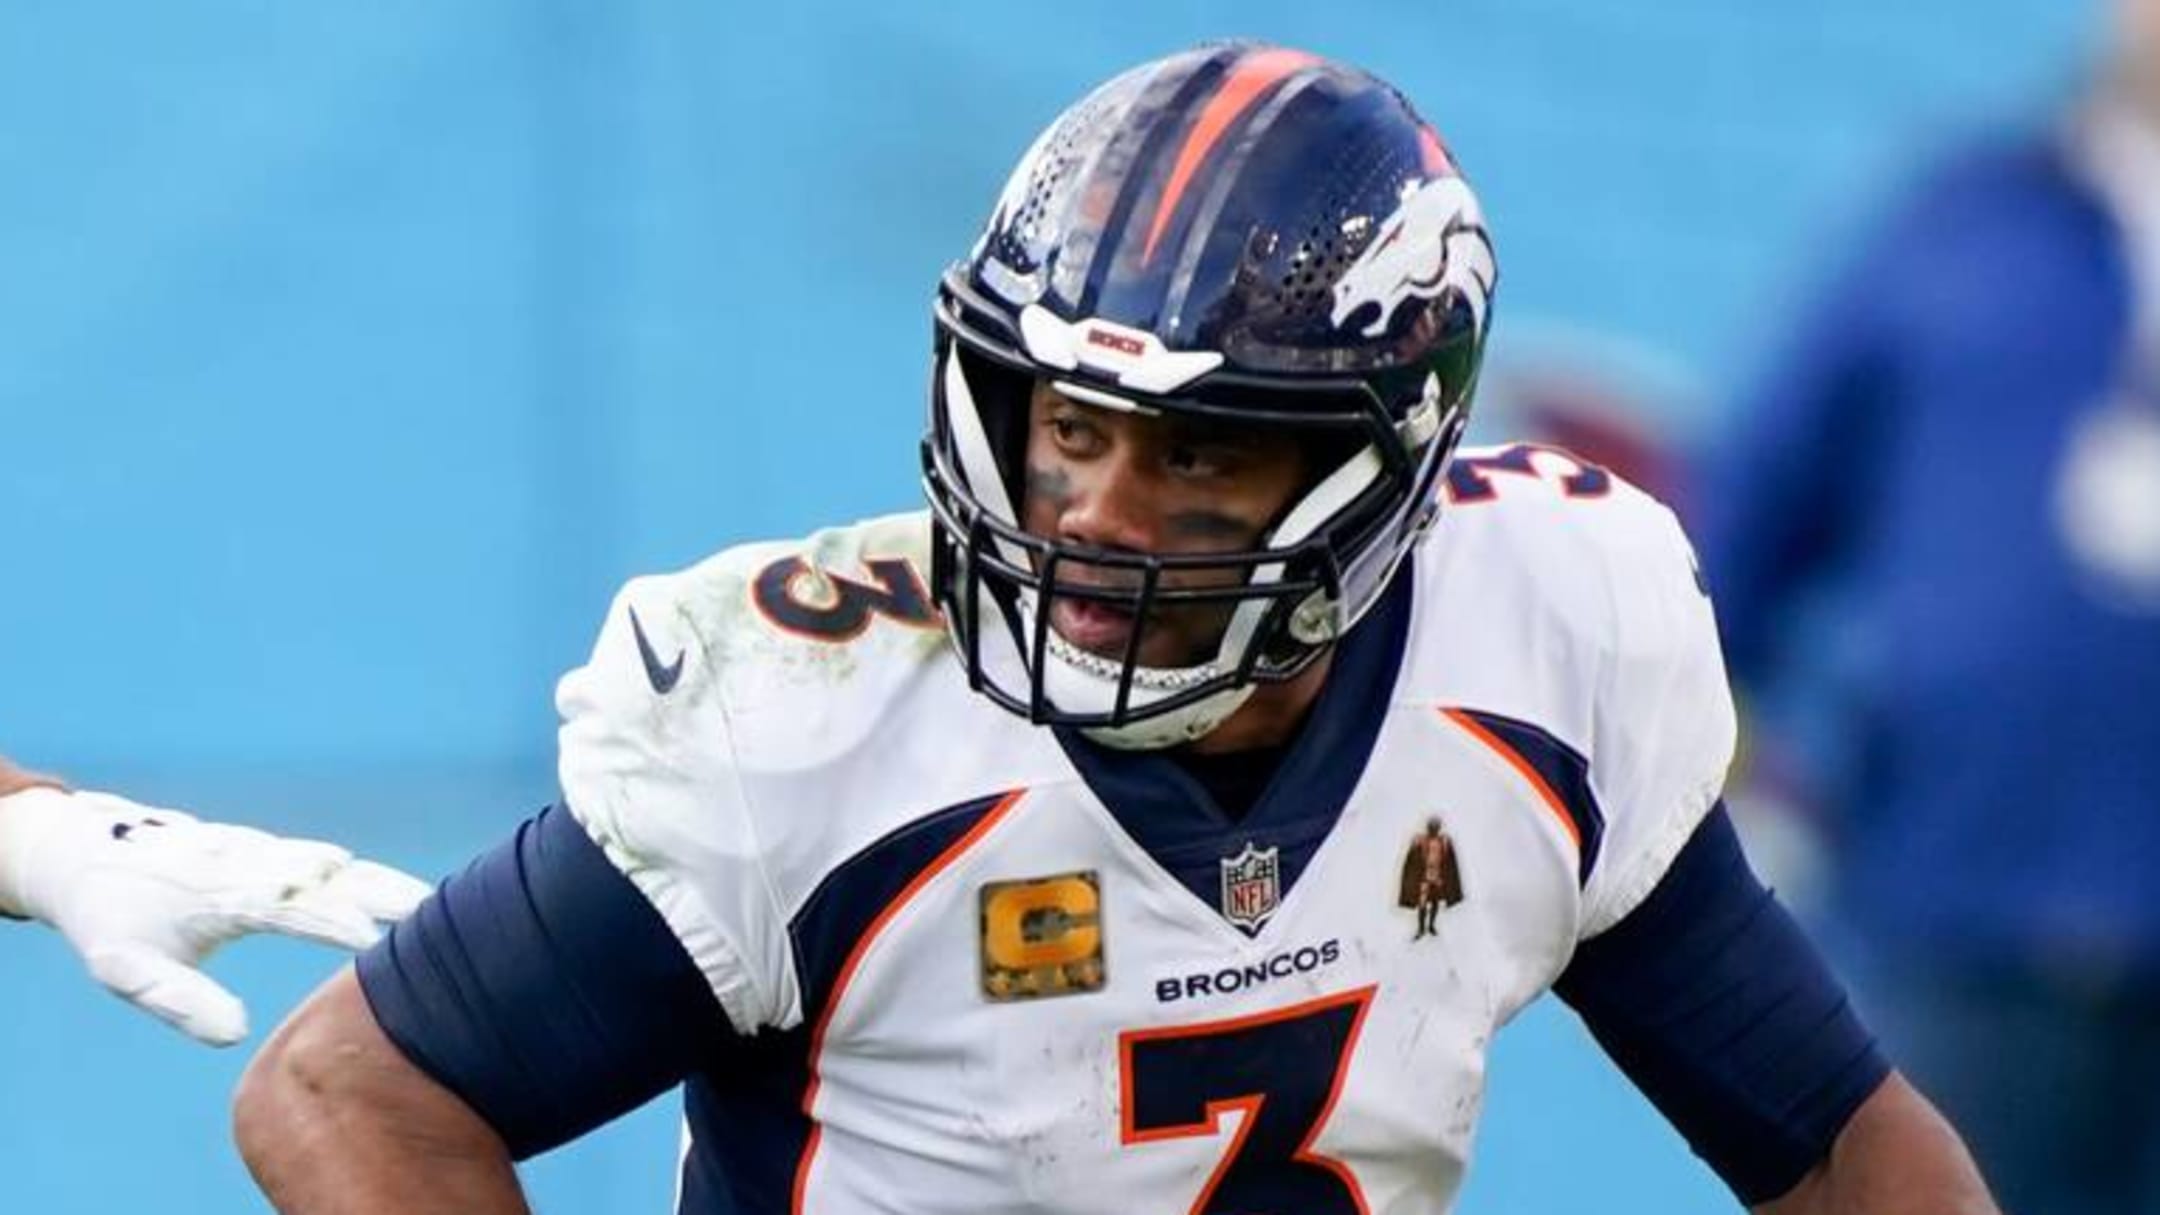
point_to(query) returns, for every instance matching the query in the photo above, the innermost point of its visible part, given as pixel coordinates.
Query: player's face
(1141, 483)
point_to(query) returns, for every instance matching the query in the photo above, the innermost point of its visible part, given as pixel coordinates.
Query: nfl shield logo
(1250, 886)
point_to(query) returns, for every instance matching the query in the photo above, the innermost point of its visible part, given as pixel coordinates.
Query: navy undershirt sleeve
(541, 987)
(1717, 1007)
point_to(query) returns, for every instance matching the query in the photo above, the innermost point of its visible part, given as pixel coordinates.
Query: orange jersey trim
(1247, 81)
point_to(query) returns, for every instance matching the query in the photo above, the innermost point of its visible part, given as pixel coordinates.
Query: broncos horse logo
(1433, 243)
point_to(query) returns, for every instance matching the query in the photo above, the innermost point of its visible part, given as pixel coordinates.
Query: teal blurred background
(350, 355)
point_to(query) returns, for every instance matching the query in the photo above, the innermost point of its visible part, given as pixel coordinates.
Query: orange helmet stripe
(1247, 81)
(1433, 152)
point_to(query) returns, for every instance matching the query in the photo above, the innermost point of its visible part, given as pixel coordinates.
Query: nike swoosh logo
(663, 677)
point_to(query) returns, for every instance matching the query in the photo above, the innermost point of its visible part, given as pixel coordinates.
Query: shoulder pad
(1555, 593)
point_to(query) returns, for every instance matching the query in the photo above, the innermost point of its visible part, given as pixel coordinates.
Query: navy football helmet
(1241, 232)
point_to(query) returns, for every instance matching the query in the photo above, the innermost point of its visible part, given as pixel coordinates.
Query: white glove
(145, 894)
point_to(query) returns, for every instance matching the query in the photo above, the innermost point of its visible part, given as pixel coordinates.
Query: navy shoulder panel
(1559, 773)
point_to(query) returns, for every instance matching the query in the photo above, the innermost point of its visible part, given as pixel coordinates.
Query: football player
(144, 894)
(1044, 851)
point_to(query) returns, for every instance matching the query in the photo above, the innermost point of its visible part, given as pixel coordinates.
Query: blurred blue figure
(1962, 439)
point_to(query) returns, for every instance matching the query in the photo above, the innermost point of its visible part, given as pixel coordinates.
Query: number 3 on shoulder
(1471, 480)
(820, 605)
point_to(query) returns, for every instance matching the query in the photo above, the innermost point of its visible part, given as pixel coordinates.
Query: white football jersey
(991, 970)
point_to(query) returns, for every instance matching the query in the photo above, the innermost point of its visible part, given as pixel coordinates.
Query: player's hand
(145, 894)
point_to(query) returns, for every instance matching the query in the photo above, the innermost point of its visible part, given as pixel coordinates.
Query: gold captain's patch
(1042, 937)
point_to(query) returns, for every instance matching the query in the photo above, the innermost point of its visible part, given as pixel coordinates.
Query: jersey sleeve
(1716, 1006)
(543, 989)
(649, 767)
(1663, 724)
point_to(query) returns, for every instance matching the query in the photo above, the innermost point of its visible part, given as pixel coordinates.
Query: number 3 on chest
(1283, 1068)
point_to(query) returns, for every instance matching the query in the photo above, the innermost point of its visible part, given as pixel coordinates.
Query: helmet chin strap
(1175, 728)
(1070, 682)
(1073, 678)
